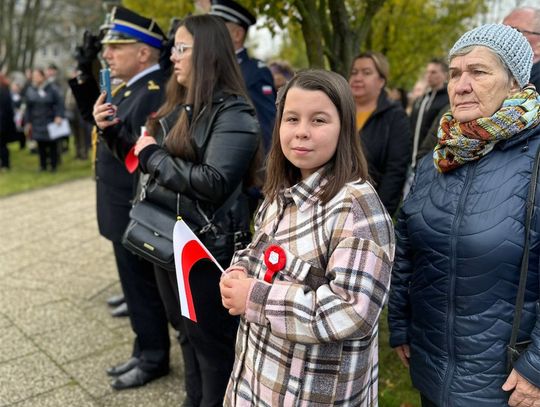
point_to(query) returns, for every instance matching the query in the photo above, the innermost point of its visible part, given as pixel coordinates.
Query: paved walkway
(56, 334)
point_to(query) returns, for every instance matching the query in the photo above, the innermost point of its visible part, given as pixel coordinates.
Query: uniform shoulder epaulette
(152, 85)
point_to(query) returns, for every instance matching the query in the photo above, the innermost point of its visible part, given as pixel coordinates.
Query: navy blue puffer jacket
(460, 238)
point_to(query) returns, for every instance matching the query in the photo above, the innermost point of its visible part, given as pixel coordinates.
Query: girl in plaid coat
(311, 285)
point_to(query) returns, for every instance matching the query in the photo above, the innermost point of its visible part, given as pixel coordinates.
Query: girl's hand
(234, 293)
(102, 111)
(404, 354)
(142, 142)
(58, 120)
(237, 272)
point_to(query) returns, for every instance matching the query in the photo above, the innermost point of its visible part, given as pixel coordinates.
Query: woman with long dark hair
(200, 156)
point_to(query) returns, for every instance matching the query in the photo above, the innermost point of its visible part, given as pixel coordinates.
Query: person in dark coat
(131, 50)
(527, 21)
(426, 108)
(461, 230)
(383, 127)
(257, 77)
(44, 105)
(201, 155)
(7, 123)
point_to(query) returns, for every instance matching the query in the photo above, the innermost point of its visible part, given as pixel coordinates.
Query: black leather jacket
(225, 137)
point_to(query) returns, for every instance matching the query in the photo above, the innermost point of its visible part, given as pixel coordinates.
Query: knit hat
(505, 41)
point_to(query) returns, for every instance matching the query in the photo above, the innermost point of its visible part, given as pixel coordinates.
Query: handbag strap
(221, 210)
(525, 259)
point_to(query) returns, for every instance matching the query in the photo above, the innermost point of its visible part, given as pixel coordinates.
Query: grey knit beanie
(505, 41)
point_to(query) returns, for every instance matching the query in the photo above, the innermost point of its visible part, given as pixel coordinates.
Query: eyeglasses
(525, 32)
(180, 49)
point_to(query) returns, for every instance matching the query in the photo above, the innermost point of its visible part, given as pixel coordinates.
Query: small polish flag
(188, 250)
(267, 90)
(132, 161)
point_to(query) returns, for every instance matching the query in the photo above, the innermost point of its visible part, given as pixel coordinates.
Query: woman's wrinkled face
(478, 85)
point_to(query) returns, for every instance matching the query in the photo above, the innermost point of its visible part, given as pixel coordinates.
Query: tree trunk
(311, 30)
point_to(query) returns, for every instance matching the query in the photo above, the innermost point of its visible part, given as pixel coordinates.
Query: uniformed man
(257, 76)
(131, 49)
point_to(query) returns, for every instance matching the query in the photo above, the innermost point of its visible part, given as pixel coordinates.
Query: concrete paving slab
(14, 297)
(89, 372)
(14, 344)
(4, 321)
(102, 313)
(56, 335)
(48, 317)
(29, 376)
(76, 341)
(70, 395)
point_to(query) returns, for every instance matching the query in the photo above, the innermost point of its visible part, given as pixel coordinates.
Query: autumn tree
(28, 25)
(411, 32)
(162, 11)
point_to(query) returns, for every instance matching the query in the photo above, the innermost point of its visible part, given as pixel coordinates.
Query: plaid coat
(310, 338)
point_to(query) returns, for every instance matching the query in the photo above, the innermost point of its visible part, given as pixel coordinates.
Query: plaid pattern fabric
(459, 143)
(310, 338)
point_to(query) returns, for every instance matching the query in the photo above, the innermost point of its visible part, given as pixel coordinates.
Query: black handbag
(149, 233)
(514, 348)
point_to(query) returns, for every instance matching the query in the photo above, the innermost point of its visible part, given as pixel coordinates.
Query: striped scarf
(460, 143)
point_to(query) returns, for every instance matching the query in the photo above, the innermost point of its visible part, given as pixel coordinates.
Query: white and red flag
(188, 250)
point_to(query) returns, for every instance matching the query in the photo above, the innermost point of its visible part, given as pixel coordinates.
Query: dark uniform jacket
(225, 138)
(114, 185)
(41, 109)
(460, 238)
(260, 86)
(386, 141)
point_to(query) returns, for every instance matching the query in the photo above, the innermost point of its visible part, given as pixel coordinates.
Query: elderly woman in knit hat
(462, 233)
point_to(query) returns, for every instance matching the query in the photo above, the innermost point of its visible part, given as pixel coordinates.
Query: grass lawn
(395, 389)
(24, 174)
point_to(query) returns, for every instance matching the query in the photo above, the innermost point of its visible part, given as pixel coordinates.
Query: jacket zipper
(471, 169)
(165, 130)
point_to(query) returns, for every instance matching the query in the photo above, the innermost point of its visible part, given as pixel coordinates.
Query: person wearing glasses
(200, 155)
(131, 49)
(527, 21)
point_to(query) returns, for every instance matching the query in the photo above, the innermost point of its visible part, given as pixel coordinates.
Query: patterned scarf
(460, 143)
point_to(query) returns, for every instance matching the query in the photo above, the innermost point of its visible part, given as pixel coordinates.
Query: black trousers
(4, 152)
(427, 402)
(146, 311)
(48, 152)
(207, 345)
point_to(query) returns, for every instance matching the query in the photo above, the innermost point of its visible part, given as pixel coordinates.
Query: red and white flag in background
(188, 250)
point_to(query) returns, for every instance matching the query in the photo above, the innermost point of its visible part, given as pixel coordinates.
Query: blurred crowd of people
(29, 103)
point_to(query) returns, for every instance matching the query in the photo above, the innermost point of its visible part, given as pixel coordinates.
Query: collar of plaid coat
(306, 192)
